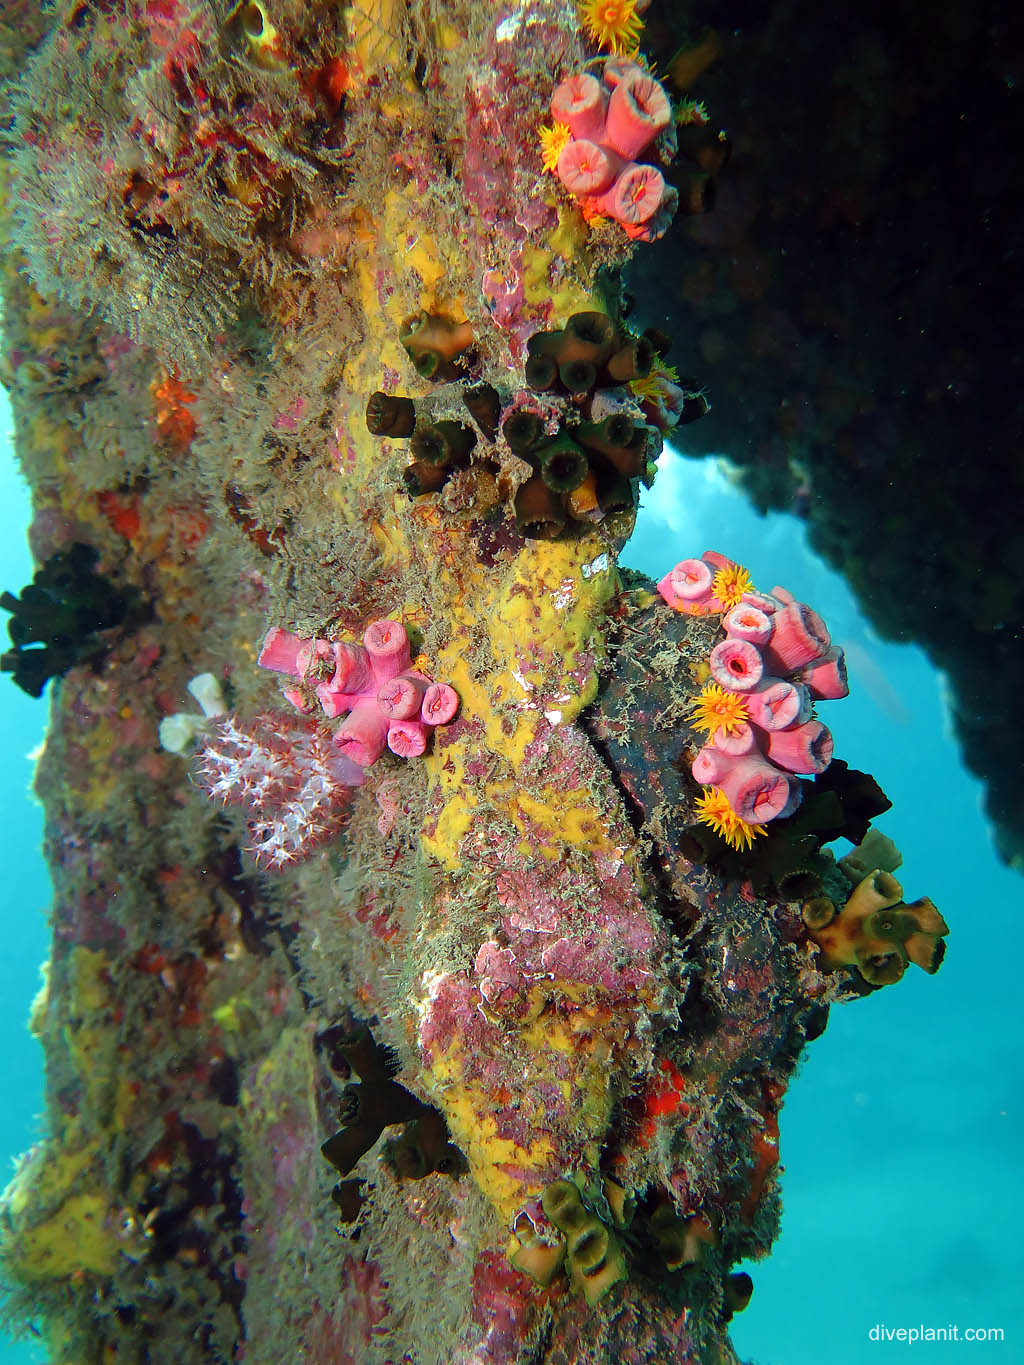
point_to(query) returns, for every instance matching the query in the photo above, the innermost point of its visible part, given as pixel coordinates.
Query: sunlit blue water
(900, 1136)
(26, 883)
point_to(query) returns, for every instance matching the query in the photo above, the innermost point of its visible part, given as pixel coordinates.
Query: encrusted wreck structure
(439, 911)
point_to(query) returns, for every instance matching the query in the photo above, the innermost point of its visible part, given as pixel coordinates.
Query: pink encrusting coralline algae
(612, 125)
(777, 659)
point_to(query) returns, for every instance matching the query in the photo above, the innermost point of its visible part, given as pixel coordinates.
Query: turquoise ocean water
(27, 887)
(901, 1135)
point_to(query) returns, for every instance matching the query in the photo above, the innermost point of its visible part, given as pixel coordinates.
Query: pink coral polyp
(778, 656)
(636, 195)
(580, 103)
(610, 127)
(386, 703)
(638, 111)
(585, 168)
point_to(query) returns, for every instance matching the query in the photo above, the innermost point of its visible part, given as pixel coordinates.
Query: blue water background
(901, 1134)
(28, 895)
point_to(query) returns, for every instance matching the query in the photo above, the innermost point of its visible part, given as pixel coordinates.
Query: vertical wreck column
(407, 999)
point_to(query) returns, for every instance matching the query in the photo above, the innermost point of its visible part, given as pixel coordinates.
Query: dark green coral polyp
(659, 341)
(622, 442)
(426, 364)
(588, 336)
(881, 969)
(632, 361)
(799, 884)
(442, 443)
(541, 372)
(668, 1231)
(351, 1105)
(389, 414)
(424, 1147)
(539, 511)
(695, 406)
(546, 343)
(483, 404)
(616, 495)
(562, 1204)
(350, 1143)
(612, 433)
(524, 431)
(563, 464)
(577, 377)
(420, 478)
(737, 1291)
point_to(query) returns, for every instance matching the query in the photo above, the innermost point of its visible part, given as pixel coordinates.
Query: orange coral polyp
(714, 810)
(730, 583)
(612, 24)
(552, 141)
(717, 709)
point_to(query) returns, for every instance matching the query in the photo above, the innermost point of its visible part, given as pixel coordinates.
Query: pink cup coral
(776, 659)
(386, 703)
(609, 128)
